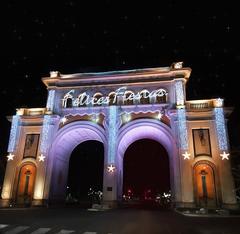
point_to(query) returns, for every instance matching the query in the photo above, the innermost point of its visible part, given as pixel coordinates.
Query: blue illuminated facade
(118, 108)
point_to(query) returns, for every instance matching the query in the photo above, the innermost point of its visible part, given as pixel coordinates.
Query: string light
(179, 92)
(45, 134)
(182, 129)
(50, 100)
(112, 133)
(13, 133)
(221, 129)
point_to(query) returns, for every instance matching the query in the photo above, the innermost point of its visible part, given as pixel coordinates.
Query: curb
(207, 215)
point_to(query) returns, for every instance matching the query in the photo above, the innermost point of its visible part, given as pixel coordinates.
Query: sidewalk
(202, 212)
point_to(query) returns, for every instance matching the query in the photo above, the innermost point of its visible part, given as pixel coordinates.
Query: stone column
(186, 197)
(8, 184)
(110, 167)
(50, 100)
(225, 174)
(39, 197)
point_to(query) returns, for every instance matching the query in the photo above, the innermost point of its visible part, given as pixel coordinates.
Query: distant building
(118, 108)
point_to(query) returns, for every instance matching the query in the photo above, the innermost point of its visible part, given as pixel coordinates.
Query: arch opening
(25, 185)
(85, 174)
(146, 174)
(157, 132)
(66, 143)
(205, 187)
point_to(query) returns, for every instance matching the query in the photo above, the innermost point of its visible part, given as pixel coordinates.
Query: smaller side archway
(205, 189)
(25, 184)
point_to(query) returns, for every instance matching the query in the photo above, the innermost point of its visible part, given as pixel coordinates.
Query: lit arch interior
(147, 130)
(65, 142)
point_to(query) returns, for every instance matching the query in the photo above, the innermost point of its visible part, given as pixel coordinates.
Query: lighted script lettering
(85, 99)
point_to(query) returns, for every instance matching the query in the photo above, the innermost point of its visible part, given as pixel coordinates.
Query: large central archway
(67, 139)
(85, 174)
(159, 132)
(146, 176)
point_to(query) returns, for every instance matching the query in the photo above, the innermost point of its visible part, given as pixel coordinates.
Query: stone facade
(117, 109)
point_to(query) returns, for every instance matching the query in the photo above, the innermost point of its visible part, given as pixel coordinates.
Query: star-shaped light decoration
(225, 155)
(178, 65)
(186, 155)
(111, 168)
(10, 156)
(218, 102)
(64, 120)
(41, 158)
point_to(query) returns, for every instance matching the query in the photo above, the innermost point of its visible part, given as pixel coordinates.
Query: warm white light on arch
(63, 120)
(95, 118)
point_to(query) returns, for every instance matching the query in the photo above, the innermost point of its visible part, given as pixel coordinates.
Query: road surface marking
(17, 230)
(41, 231)
(3, 226)
(63, 231)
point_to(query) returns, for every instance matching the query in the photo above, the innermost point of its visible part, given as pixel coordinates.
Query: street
(116, 221)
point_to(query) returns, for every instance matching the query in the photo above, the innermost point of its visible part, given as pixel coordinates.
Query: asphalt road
(117, 221)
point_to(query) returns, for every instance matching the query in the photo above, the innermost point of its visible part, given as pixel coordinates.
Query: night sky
(89, 36)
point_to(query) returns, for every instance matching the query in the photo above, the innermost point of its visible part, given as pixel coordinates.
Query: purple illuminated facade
(118, 108)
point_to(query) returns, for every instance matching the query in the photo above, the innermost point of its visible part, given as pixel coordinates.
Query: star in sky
(186, 155)
(224, 155)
